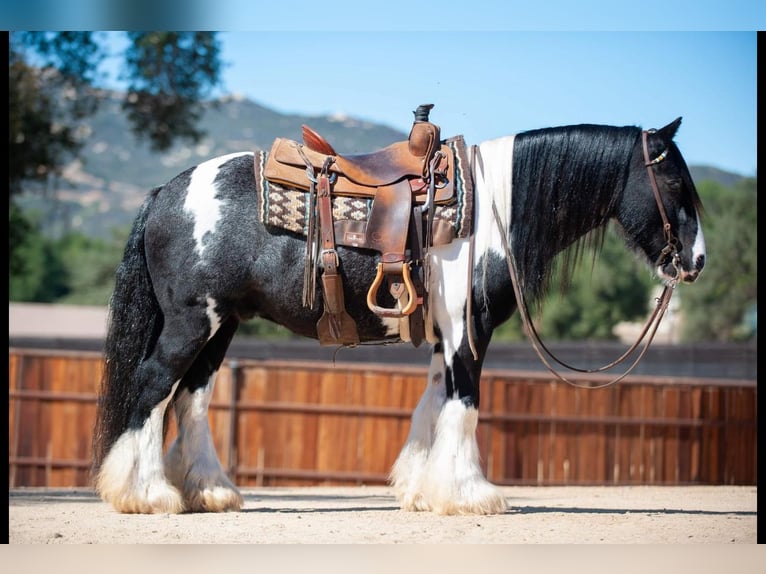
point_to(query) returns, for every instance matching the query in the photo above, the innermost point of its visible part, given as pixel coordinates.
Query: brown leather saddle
(404, 181)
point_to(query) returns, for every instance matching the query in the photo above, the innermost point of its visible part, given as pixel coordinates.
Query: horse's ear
(669, 131)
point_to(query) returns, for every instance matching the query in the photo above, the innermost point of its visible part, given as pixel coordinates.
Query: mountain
(103, 188)
(704, 172)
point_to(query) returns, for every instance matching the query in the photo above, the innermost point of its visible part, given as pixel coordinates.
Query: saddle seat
(383, 167)
(358, 175)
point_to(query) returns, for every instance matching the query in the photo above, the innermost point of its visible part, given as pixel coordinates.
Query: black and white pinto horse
(198, 262)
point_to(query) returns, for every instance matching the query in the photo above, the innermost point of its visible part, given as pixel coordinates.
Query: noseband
(652, 323)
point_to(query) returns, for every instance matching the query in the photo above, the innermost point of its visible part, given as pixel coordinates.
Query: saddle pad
(284, 207)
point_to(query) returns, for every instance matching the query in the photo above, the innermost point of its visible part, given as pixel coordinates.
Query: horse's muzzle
(691, 276)
(673, 271)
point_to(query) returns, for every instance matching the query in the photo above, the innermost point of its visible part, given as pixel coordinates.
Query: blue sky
(491, 67)
(489, 84)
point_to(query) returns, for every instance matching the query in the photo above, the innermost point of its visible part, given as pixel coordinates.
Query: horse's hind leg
(132, 476)
(191, 464)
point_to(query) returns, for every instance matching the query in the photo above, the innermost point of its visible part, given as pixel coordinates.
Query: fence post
(233, 419)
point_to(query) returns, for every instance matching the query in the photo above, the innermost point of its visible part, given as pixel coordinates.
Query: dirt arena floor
(698, 515)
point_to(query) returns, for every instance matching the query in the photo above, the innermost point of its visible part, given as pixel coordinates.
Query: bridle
(671, 242)
(652, 323)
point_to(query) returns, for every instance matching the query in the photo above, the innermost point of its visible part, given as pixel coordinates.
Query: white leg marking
(410, 465)
(132, 478)
(453, 482)
(200, 197)
(192, 464)
(449, 291)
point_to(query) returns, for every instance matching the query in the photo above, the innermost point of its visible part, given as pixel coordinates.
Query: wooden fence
(309, 423)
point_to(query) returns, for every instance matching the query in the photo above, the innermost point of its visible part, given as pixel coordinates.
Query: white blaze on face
(200, 197)
(697, 262)
(698, 249)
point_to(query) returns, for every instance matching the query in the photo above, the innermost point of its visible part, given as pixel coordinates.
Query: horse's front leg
(439, 467)
(409, 470)
(453, 481)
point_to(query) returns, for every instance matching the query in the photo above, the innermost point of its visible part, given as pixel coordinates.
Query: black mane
(566, 182)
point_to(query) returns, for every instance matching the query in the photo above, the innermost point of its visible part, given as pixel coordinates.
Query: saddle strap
(312, 250)
(335, 326)
(416, 320)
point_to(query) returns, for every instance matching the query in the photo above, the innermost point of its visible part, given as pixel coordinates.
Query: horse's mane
(566, 182)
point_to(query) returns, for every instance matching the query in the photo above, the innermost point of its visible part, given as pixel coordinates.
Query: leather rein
(652, 323)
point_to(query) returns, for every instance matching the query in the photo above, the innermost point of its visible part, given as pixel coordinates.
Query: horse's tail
(134, 323)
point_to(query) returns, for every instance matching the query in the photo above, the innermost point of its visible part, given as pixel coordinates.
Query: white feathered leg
(453, 481)
(408, 470)
(131, 477)
(192, 464)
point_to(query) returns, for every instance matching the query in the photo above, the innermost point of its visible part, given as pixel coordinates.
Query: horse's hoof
(158, 499)
(214, 499)
(412, 502)
(485, 499)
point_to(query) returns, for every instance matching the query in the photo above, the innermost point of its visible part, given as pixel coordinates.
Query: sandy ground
(370, 515)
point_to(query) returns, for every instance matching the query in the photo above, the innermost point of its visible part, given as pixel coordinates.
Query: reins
(652, 322)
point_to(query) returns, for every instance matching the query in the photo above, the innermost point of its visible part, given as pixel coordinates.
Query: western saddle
(404, 181)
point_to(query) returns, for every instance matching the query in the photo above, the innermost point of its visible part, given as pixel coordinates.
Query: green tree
(38, 274)
(617, 287)
(613, 287)
(90, 266)
(170, 73)
(714, 308)
(51, 90)
(608, 286)
(52, 77)
(19, 228)
(46, 101)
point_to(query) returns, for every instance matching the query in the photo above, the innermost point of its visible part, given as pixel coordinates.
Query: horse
(199, 261)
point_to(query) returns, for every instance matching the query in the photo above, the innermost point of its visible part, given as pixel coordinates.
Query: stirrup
(396, 313)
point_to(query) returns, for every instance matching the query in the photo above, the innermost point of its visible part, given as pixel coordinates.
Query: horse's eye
(674, 184)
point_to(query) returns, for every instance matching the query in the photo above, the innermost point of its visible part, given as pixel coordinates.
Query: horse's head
(660, 212)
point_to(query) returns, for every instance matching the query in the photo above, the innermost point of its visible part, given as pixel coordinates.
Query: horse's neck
(494, 185)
